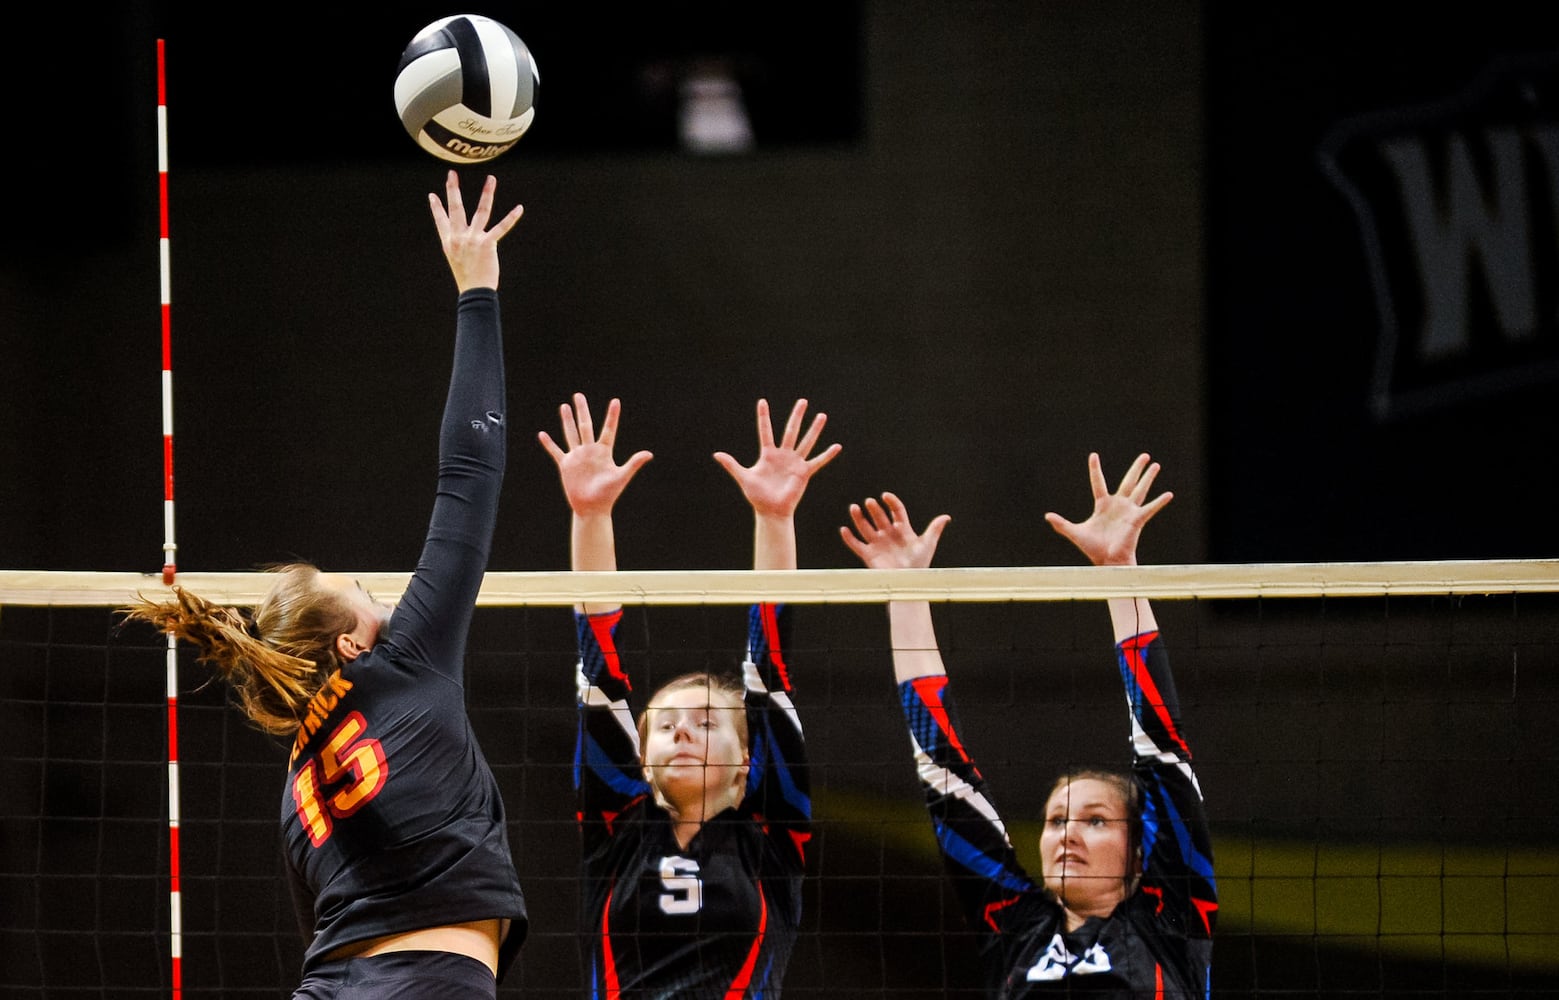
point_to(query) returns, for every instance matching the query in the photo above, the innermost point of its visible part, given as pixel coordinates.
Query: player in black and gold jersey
(391, 820)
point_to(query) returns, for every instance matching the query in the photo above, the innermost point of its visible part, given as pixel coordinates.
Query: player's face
(1084, 846)
(372, 615)
(692, 747)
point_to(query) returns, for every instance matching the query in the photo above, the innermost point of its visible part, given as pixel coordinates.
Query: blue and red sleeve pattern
(779, 790)
(607, 775)
(986, 875)
(1177, 856)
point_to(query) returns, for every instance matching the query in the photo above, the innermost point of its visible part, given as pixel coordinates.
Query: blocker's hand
(884, 538)
(1109, 536)
(773, 485)
(592, 479)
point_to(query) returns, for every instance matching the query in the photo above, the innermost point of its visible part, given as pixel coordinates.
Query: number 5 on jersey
(353, 769)
(684, 890)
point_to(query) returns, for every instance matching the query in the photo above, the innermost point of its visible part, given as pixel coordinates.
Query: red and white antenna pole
(175, 907)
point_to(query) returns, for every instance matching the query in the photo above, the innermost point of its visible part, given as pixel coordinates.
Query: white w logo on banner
(1458, 207)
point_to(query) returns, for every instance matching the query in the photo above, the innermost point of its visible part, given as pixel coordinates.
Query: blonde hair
(275, 660)
(714, 684)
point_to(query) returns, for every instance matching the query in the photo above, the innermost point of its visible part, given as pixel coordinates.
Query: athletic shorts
(404, 975)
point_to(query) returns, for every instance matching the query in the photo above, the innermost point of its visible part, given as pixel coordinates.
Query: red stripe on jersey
(991, 908)
(1139, 669)
(609, 817)
(738, 987)
(608, 963)
(1158, 981)
(799, 840)
(1158, 894)
(930, 691)
(768, 615)
(1205, 908)
(602, 626)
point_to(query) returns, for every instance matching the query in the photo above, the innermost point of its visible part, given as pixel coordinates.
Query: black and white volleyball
(466, 88)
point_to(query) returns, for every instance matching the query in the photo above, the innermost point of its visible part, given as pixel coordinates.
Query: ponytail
(275, 660)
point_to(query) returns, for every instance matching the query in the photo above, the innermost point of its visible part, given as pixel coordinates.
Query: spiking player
(693, 822)
(1127, 901)
(392, 822)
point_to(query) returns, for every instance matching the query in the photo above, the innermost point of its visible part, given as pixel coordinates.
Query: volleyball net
(1375, 741)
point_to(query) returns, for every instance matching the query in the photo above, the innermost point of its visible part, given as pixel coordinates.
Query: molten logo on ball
(466, 88)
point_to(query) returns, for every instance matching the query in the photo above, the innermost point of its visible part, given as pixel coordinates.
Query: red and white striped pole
(175, 907)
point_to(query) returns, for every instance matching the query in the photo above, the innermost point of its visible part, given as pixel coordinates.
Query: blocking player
(1126, 901)
(694, 819)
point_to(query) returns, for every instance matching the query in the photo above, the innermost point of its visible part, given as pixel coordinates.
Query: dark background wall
(985, 238)
(1380, 220)
(967, 283)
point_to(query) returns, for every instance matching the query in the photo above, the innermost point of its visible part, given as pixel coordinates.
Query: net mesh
(1378, 767)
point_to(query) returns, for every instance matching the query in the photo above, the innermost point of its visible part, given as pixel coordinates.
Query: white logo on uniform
(1057, 962)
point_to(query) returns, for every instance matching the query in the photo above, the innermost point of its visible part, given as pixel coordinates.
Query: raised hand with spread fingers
(1109, 536)
(775, 482)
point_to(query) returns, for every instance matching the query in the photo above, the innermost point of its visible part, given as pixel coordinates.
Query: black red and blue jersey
(718, 918)
(1158, 942)
(391, 818)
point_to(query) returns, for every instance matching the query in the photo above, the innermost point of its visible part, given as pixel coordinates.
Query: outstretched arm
(884, 539)
(1176, 845)
(433, 616)
(1109, 536)
(774, 484)
(606, 767)
(778, 781)
(592, 482)
(987, 877)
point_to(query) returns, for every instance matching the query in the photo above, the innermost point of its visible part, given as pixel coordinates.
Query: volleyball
(466, 88)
